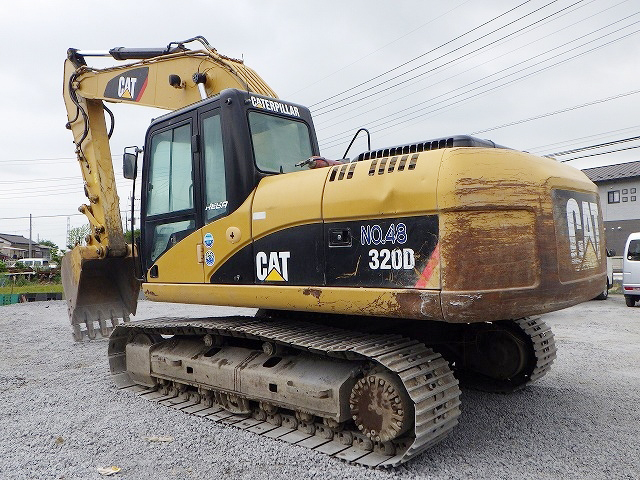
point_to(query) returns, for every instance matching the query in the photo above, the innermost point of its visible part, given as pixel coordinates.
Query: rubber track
(425, 374)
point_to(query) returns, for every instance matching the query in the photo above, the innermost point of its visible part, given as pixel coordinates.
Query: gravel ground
(61, 417)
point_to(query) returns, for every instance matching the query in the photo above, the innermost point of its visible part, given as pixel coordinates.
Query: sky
(542, 76)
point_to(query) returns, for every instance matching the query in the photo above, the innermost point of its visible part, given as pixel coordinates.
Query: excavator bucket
(99, 291)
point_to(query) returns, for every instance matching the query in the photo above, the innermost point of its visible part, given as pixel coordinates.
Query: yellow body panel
(370, 194)
(283, 201)
(230, 234)
(399, 303)
(182, 263)
(472, 178)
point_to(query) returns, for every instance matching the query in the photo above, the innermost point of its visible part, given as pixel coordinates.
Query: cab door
(223, 235)
(171, 215)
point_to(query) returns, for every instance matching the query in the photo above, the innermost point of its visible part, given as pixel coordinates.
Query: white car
(631, 270)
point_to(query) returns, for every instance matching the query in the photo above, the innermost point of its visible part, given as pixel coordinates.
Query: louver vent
(340, 172)
(390, 165)
(455, 141)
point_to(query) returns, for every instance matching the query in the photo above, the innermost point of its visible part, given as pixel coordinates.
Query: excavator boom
(99, 292)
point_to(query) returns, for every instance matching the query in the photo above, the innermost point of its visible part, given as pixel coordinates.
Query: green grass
(33, 288)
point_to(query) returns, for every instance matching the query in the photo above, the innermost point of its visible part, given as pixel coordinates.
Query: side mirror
(129, 163)
(611, 252)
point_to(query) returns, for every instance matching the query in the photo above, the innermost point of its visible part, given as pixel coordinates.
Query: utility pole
(30, 225)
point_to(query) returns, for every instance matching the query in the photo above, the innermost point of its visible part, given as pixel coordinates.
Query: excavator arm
(99, 279)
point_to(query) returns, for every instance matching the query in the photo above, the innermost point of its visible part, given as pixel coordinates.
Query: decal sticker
(582, 226)
(273, 266)
(217, 205)
(209, 258)
(396, 252)
(396, 259)
(259, 215)
(208, 240)
(579, 233)
(430, 271)
(129, 85)
(272, 106)
(375, 235)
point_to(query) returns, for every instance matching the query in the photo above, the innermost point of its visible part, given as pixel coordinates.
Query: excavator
(382, 282)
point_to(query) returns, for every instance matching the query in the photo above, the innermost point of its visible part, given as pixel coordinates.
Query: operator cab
(202, 162)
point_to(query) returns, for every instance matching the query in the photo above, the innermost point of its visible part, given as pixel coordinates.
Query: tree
(77, 236)
(3, 267)
(54, 251)
(127, 234)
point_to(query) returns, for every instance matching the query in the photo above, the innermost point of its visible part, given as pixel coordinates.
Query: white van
(631, 270)
(34, 262)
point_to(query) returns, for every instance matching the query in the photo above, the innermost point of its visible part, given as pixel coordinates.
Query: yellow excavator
(382, 282)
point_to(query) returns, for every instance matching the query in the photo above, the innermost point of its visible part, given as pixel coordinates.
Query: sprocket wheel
(380, 407)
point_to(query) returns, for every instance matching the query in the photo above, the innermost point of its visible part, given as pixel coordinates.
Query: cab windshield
(278, 143)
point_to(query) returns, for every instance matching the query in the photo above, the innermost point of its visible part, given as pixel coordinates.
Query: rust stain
(490, 250)
(314, 292)
(424, 303)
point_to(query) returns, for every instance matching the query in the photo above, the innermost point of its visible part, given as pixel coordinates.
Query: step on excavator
(382, 282)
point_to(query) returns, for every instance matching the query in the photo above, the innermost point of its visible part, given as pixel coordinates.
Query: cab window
(278, 143)
(216, 203)
(170, 213)
(170, 176)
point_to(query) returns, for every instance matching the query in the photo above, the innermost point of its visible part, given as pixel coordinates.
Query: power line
(58, 188)
(35, 160)
(568, 109)
(403, 113)
(452, 104)
(386, 89)
(428, 52)
(593, 147)
(588, 137)
(601, 153)
(42, 216)
(450, 64)
(50, 159)
(381, 48)
(51, 179)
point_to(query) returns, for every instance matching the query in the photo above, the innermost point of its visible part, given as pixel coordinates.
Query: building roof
(20, 240)
(15, 238)
(613, 172)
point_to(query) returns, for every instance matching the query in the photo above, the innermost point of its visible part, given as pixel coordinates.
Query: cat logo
(579, 234)
(584, 233)
(128, 86)
(272, 267)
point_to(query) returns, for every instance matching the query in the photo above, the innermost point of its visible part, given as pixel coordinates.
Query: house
(15, 247)
(619, 189)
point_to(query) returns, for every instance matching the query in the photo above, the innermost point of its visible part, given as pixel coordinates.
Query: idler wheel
(381, 407)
